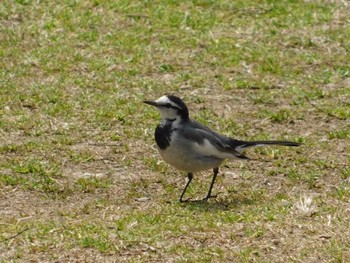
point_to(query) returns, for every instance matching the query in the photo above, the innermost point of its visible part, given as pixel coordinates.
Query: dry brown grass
(80, 178)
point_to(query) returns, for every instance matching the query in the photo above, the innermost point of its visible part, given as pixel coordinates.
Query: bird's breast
(182, 155)
(162, 135)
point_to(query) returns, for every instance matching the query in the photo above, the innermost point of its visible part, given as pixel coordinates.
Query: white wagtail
(192, 147)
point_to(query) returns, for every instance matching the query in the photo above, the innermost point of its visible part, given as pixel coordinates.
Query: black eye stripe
(168, 105)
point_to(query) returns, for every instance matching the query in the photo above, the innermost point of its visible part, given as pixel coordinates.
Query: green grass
(80, 178)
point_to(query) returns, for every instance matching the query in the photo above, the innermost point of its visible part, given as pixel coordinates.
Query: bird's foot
(185, 200)
(190, 200)
(210, 196)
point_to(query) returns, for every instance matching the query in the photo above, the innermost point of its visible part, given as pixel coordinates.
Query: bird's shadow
(219, 204)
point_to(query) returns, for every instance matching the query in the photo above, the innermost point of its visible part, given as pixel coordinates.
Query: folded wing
(208, 143)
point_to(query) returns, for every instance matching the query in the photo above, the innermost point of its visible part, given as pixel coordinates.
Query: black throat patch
(162, 134)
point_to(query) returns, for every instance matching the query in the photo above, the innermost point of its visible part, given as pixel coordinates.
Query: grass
(80, 178)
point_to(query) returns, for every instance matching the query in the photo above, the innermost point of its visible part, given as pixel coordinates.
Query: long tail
(242, 145)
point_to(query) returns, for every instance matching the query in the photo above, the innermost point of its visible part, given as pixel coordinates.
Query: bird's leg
(190, 177)
(215, 171)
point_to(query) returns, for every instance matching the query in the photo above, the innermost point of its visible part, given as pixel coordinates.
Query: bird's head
(170, 108)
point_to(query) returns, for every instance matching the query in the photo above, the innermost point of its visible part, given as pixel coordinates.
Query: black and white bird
(192, 147)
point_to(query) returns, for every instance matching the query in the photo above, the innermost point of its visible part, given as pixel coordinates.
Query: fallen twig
(137, 15)
(322, 110)
(19, 233)
(104, 144)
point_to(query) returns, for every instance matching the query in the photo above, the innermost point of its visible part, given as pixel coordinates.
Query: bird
(191, 147)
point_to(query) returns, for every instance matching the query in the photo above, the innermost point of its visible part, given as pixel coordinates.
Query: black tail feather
(283, 143)
(241, 145)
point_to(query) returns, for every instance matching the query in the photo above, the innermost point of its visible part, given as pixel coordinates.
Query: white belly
(185, 158)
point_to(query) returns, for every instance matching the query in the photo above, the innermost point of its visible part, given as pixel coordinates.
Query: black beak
(149, 102)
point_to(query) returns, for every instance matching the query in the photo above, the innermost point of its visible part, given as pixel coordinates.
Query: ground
(80, 176)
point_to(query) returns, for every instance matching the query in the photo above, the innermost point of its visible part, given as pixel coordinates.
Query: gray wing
(209, 143)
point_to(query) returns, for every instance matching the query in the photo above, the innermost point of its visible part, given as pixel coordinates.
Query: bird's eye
(168, 105)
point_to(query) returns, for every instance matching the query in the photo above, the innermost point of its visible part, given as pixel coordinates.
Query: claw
(211, 196)
(186, 200)
(189, 200)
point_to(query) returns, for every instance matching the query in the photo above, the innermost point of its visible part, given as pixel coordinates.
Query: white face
(167, 112)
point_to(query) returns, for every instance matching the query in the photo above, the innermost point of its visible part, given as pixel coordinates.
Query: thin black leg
(215, 171)
(190, 177)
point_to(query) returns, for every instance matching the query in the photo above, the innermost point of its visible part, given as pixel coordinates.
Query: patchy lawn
(80, 177)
